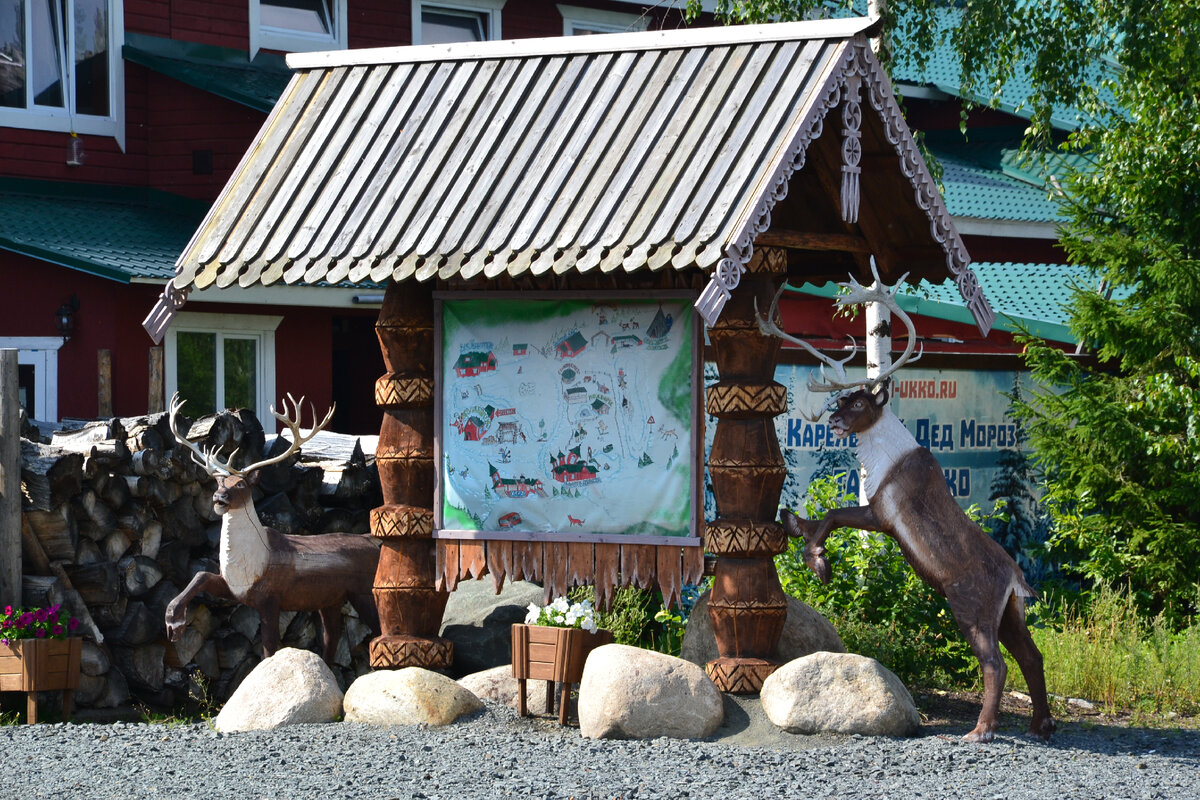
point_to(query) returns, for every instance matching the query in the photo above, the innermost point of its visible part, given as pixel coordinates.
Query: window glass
(307, 16)
(196, 361)
(445, 25)
(47, 53)
(91, 57)
(12, 53)
(27, 388)
(241, 374)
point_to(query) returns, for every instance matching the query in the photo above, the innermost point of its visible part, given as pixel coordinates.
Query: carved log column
(747, 605)
(410, 607)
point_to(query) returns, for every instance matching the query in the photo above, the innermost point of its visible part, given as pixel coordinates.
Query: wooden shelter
(714, 162)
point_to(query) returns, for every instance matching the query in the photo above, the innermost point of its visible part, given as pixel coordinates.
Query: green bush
(876, 602)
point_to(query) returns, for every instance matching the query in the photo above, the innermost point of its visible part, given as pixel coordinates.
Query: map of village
(567, 417)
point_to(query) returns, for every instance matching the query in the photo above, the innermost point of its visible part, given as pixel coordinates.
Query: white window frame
(490, 7)
(43, 118)
(270, 38)
(260, 327)
(599, 20)
(42, 353)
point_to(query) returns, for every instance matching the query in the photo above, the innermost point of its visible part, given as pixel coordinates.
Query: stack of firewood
(117, 519)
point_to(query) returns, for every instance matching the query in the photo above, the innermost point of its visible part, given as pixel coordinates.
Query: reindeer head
(858, 410)
(234, 486)
(846, 389)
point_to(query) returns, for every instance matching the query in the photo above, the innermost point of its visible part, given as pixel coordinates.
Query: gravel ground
(496, 754)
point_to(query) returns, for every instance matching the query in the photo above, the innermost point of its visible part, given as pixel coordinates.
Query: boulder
(839, 693)
(479, 622)
(499, 686)
(804, 632)
(629, 693)
(409, 696)
(291, 687)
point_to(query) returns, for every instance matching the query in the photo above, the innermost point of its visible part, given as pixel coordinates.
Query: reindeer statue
(907, 498)
(270, 571)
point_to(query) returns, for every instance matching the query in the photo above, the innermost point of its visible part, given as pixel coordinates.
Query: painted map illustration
(567, 416)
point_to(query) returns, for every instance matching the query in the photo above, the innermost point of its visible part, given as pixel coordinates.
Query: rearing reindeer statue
(270, 571)
(907, 498)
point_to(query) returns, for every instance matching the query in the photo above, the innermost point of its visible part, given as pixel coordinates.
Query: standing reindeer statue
(907, 498)
(270, 571)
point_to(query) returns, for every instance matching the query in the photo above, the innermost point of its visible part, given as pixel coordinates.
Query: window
(218, 361)
(461, 21)
(61, 67)
(37, 373)
(297, 25)
(581, 21)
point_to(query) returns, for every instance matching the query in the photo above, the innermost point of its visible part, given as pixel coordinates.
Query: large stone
(629, 693)
(291, 687)
(839, 693)
(479, 622)
(804, 632)
(409, 696)
(499, 686)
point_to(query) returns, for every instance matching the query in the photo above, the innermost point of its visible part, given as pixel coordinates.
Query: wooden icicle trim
(669, 566)
(472, 559)
(608, 566)
(499, 561)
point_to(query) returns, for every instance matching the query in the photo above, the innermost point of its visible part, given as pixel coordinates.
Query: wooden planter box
(553, 655)
(41, 665)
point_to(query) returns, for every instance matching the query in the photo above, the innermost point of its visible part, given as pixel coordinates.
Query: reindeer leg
(268, 626)
(1014, 635)
(176, 616)
(331, 631)
(979, 625)
(815, 532)
(367, 612)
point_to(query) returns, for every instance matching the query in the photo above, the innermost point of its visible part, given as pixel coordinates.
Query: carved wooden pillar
(410, 607)
(747, 606)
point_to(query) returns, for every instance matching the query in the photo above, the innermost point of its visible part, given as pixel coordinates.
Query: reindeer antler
(213, 465)
(857, 294)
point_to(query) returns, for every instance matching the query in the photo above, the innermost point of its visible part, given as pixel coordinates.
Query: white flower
(535, 612)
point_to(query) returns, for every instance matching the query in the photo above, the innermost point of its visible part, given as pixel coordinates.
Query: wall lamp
(64, 318)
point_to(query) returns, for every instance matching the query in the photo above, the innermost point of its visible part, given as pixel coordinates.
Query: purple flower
(25, 620)
(41, 614)
(40, 633)
(57, 630)
(73, 624)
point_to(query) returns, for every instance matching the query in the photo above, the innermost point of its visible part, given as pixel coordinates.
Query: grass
(1110, 655)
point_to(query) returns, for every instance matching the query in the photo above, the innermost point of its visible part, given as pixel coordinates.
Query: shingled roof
(666, 149)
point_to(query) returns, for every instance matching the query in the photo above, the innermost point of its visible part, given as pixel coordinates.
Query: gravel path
(495, 754)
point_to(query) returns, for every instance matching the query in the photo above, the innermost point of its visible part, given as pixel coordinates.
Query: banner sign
(567, 419)
(960, 415)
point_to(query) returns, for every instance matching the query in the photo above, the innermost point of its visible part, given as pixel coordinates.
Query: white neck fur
(244, 551)
(880, 447)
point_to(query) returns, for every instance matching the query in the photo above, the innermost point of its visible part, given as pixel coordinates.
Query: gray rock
(629, 693)
(804, 632)
(291, 687)
(479, 622)
(499, 686)
(839, 693)
(410, 696)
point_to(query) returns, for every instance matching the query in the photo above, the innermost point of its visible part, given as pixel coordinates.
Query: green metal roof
(222, 71)
(1029, 296)
(114, 232)
(979, 191)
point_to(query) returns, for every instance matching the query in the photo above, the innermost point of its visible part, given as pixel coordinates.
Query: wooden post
(104, 383)
(10, 481)
(156, 402)
(747, 605)
(410, 606)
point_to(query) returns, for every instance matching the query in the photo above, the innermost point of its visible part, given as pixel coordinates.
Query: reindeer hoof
(819, 564)
(980, 735)
(1043, 729)
(791, 524)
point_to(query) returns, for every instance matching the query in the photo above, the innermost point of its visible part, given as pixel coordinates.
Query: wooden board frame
(695, 435)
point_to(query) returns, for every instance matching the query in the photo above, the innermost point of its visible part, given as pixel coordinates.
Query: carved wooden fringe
(560, 566)
(851, 150)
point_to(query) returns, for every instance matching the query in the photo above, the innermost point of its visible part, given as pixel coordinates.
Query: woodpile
(116, 520)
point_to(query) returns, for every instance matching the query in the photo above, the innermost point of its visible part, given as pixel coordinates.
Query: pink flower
(8, 611)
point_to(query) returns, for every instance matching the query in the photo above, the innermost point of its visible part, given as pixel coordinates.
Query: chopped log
(116, 691)
(277, 477)
(35, 560)
(152, 489)
(40, 591)
(74, 603)
(232, 649)
(50, 476)
(96, 510)
(181, 519)
(57, 532)
(88, 552)
(142, 666)
(111, 489)
(152, 463)
(139, 626)
(278, 512)
(151, 539)
(139, 574)
(81, 439)
(117, 544)
(202, 505)
(134, 516)
(110, 614)
(93, 659)
(207, 661)
(99, 584)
